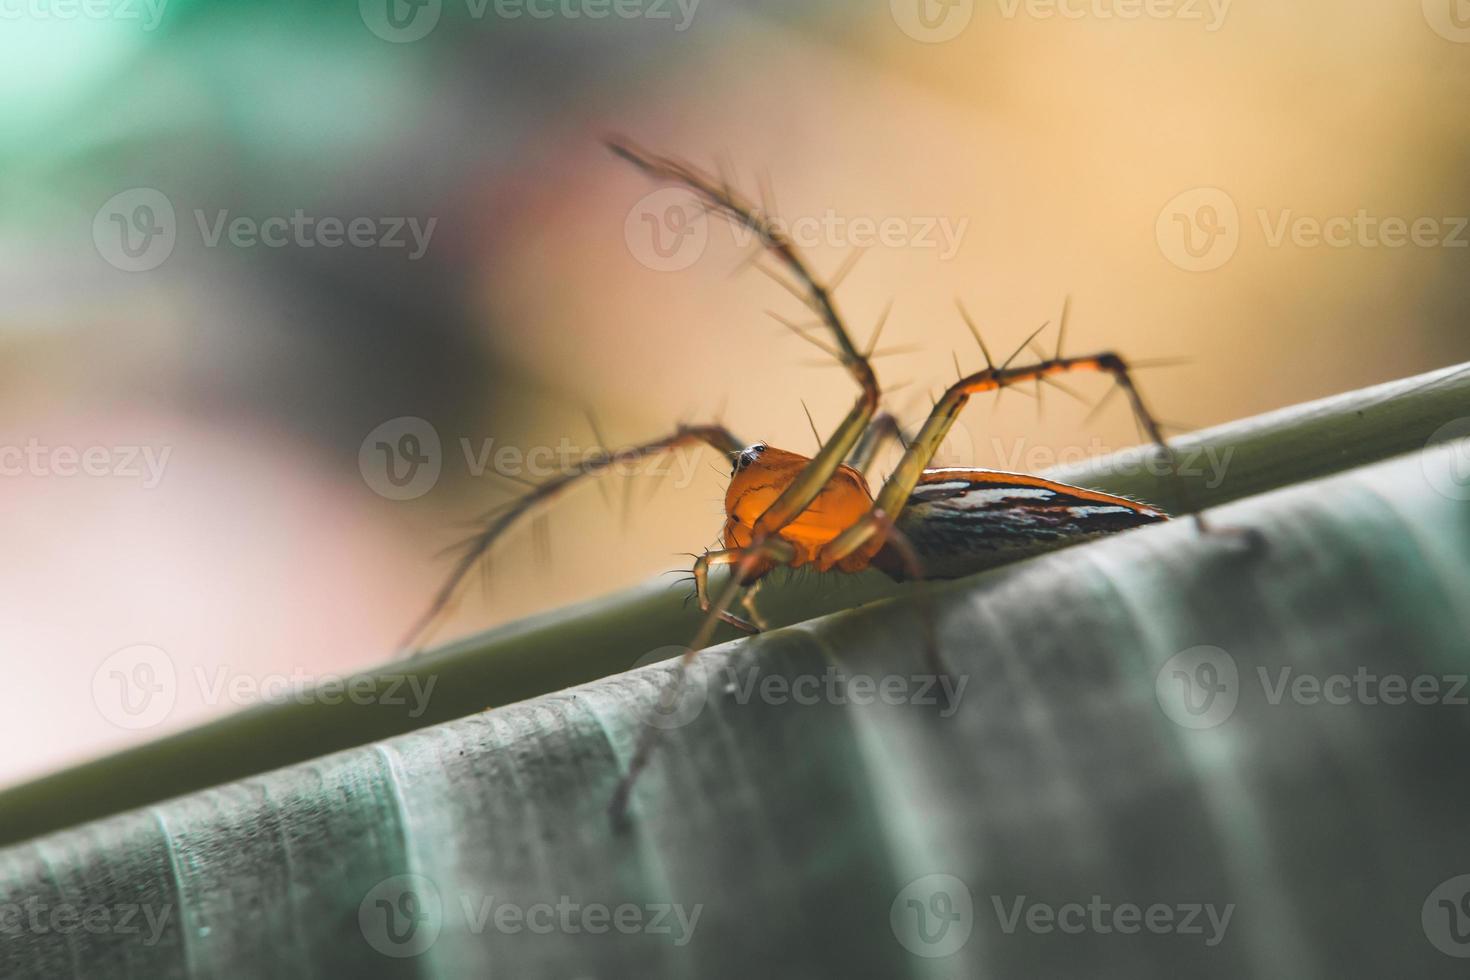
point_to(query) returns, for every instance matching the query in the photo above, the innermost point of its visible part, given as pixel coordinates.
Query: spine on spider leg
(797, 496)
(476, 548)
(905, 477)
(895, 493)
(882, 429)
(1118, 368)
(728, 202)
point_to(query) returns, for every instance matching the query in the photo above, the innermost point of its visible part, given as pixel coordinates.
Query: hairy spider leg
(500, 521)
(864, 539)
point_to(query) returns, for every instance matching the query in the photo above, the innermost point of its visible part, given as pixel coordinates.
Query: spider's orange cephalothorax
(763, 472)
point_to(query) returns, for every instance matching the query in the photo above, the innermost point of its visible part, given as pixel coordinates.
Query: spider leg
(765, 546)
(895, 493)
(745, 561)
(721, 198)
(701, 587)
(877, 527)
(747, 599)
(496, 524)
(882, 430)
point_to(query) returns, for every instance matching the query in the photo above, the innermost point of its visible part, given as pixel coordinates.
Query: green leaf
(1082, 770)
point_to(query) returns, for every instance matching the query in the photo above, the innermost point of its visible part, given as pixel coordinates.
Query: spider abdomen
(962, 521)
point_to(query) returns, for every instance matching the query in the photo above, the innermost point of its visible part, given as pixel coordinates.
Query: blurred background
(292, 293)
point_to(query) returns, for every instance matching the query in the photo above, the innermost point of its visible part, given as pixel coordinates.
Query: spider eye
(748, 456)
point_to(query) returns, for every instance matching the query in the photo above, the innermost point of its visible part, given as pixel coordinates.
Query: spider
(786, 509)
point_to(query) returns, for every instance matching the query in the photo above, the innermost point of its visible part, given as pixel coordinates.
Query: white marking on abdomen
(1094, 511)
(995, 495)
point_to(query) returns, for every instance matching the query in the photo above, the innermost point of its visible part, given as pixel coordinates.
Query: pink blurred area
(249, 557)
